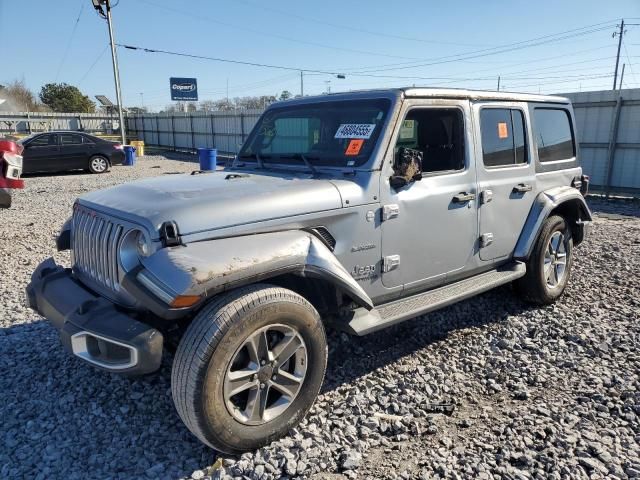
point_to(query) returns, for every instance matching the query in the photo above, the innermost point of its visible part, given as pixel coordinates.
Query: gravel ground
(488, 388)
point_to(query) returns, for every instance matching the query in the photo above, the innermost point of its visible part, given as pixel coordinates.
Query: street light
(97, 4)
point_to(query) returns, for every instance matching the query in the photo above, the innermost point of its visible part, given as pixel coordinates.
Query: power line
(297, 40)
(225, 60)
(626, 52)
(106, 47)
(485, 52)
(325, 72)
(352, 28)
(545, 59)
(68, 47)
(577, 31)
(556, 82)
(205, 18)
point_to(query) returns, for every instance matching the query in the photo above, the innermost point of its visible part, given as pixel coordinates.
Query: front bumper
(90, 326)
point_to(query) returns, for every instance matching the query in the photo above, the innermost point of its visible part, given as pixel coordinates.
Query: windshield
(337, 134)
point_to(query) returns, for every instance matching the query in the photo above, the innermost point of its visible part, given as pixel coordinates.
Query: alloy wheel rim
(555, 260)
(265, 374)
(99, 164)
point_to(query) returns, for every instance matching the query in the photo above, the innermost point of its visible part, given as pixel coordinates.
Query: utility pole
(622, 76)
(620, 34)
(97, 4)
(301, 83)
(498, 83)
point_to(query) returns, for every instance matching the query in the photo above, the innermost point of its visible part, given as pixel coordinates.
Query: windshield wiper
(300, 156)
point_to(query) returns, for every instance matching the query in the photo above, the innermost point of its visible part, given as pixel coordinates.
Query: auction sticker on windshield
(354, 147)
(355, 130)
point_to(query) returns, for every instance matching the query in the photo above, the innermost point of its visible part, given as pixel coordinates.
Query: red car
(10, 170)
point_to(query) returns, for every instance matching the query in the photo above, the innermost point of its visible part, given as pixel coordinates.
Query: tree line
(53, 97)
(227, 104)
(65, 98)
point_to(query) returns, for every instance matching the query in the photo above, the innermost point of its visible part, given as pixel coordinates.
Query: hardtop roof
(428, 92)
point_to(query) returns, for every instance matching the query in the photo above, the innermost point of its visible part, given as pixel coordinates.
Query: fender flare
(545, 203)
(213, 266)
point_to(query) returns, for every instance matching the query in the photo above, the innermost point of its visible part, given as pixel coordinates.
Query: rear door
(73, 152)
(41, 154)
(506, 175)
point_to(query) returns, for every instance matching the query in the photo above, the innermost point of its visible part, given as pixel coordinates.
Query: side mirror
(407, 167)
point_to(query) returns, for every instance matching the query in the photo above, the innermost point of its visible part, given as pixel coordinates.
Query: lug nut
(262, 386)
(262, 362)
(274, 377)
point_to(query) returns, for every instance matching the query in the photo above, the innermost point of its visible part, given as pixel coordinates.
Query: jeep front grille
(94, 245)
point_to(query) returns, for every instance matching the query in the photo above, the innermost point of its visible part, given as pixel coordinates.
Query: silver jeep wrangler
(358, 210)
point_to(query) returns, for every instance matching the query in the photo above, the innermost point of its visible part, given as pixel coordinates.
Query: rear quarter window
(554, 134)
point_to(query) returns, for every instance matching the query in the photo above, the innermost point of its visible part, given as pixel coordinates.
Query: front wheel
(549, 267)
(249, 367)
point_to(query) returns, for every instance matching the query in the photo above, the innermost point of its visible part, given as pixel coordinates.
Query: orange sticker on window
(354, 147)
(502, 130)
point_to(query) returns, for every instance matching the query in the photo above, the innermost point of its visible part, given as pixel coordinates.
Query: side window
(41, 141)
(70, 139)
(503, 137)
(438, 133)
(554, 134)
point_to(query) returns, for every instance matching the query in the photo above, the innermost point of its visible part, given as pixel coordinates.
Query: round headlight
(142, 244)
(134, 246)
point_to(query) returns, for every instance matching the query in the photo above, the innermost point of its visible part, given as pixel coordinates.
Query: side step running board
(385, 315)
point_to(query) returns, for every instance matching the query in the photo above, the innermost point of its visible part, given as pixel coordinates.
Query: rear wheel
(98, 164)
(249, 367)
(549, 267)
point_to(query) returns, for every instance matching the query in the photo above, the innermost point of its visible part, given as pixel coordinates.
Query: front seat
(436, 144)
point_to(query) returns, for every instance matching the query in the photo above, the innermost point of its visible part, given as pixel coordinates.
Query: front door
(430, 226)
(41, 154)
(506, 176)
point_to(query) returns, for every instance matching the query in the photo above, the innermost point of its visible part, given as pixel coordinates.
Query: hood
(214, 200)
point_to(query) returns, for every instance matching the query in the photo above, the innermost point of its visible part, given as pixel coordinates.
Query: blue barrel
(129, 156)
(208, 158)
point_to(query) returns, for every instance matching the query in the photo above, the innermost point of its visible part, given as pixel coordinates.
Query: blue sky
(375, 43)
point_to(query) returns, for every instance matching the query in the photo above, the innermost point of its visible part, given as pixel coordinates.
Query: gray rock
(350, 460)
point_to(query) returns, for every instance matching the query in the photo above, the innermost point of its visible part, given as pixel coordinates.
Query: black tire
(534, 286)
(99, 164)
(214, 339)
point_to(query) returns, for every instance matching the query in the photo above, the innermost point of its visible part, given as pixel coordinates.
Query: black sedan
(60, 151)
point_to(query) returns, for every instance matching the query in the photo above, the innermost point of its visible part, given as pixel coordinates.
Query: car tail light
(117, 146)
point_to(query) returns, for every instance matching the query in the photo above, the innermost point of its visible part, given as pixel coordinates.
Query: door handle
(463, 197)
(521, 188)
